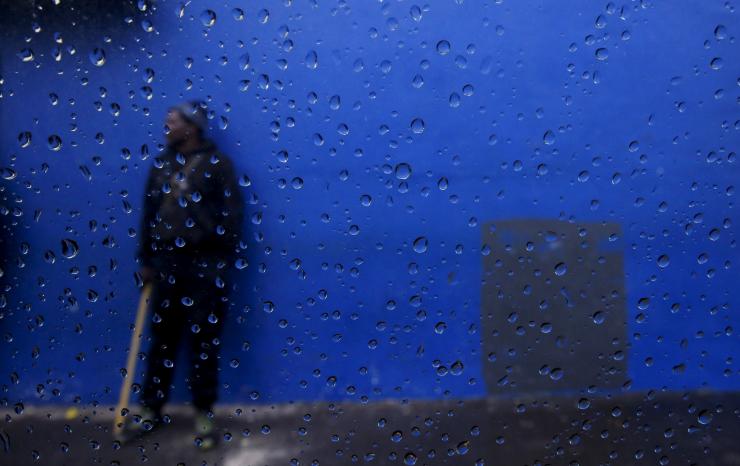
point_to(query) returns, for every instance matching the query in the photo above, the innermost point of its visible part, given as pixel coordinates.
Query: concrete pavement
(645, 428)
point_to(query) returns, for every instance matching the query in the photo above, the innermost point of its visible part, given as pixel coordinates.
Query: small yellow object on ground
(71, 413)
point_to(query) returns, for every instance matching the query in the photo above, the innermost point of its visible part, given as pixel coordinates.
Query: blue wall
(521, 107)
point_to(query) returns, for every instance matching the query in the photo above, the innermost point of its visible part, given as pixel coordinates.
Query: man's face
(177, 128)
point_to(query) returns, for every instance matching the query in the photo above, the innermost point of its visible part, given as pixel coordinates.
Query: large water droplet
(25, 55)
(417, 125)
(402, 171)
(720, 32)
(421, 244)
(705, 417)
(54, 142)
(417, 81)
(70, 249)
(97, 57)
(443, 47)
(208, 18)
(716, 64)
(335, 102)
(312, 60)
(24, 139)
(244, 61)
(415, 13)
(549, 138)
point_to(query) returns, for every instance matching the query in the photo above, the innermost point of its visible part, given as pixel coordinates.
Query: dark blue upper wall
(522, 118)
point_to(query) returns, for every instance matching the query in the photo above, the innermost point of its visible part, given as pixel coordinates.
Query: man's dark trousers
(188, 307)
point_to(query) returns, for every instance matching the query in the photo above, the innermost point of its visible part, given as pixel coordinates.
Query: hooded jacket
(192, 206)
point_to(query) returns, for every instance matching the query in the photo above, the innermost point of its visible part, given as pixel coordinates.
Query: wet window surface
(387, 232)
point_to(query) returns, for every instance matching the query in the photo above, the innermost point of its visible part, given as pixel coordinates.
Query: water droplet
(663, 261)
(244, 61)
(421, 244)
(417, 125)
(602, 54)
(208, 18)
(561, 269)
(402, 171)
(358, 65)
(454, 100)
(312, 60)
(97, 57)
(70, 249)
(415, 13)
(720, 32)
(548, 138)
(443, 47)
(705, 417)
(643, 303)
(7, 174)
(417, 81)
(716, 64)
(25, 55)
(54, 142)
(335, 102)
(24, 139)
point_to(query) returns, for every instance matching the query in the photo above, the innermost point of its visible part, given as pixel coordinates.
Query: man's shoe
(205, 431)
(139, 425)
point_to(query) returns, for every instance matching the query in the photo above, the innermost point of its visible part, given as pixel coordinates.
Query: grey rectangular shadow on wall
(553, 310)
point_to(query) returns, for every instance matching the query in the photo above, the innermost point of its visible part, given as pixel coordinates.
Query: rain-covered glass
(325, 232)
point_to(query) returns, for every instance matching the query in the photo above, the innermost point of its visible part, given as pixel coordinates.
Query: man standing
(190, 232)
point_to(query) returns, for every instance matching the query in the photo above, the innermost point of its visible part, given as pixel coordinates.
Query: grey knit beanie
(195, 113)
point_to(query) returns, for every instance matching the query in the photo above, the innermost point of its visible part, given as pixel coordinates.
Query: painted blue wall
(617, 111)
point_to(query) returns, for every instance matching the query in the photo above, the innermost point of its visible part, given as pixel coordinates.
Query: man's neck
(189, 145)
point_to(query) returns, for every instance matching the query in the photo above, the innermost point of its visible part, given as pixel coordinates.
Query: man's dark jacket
(192, 207)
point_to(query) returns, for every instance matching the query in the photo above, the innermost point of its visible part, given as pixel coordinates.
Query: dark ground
(635, 429)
